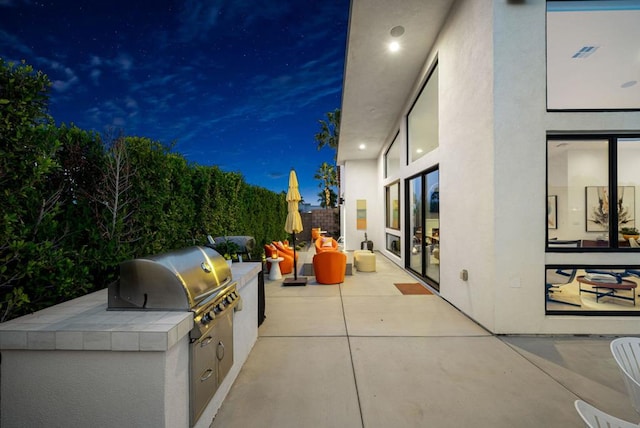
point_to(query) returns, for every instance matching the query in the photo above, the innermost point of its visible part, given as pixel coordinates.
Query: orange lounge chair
(326, 244)
(285, 249)
(286, 266)
(330, 267)
(315, 233)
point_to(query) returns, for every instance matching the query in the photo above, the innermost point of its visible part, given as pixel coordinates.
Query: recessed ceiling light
(394, 46)
(629, 84)
(362, 147)
(418, 150)
(397, 31)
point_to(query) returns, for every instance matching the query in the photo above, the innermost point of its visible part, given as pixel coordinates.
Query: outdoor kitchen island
(78, 364)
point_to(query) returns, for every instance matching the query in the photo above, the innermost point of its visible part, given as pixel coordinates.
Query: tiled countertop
(85, 324)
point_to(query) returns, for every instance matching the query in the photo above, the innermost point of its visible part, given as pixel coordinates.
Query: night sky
(236, 83)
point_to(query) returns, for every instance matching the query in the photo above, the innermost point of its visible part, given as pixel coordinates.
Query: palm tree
(329, 131)
(328, 179)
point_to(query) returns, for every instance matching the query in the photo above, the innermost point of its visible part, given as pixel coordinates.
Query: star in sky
(235, 83)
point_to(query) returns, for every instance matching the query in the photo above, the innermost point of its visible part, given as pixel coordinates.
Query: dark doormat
(412, 288)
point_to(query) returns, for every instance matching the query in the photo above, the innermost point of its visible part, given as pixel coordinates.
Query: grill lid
(178, 280)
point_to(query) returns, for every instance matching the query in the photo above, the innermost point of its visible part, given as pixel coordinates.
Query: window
(592, 187)
(392, 198)
(593, 55)
(422, 121)
(393, 244)
(592, 290)
(392, 159)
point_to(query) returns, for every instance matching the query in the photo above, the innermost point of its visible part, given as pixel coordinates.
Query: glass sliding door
(432, 225)
(423, 219)
(416, 225)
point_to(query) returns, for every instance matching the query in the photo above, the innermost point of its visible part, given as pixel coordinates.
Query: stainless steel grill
(195, 279)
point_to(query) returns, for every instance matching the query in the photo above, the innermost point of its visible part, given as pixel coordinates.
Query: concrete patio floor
(361, 354)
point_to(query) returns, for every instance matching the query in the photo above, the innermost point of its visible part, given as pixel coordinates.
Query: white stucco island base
(77, 364)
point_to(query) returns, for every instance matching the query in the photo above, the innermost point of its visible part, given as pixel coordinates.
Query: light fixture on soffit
(396, 32)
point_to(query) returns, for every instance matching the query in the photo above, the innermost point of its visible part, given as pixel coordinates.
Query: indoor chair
(558, 277)
(626, 352)
(330, 267)
(596, 418)
(326, 244)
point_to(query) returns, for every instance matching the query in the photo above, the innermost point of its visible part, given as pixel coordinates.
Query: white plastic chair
(626, 352)
(595, 418)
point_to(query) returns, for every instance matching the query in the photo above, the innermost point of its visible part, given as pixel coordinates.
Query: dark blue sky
(235, 83)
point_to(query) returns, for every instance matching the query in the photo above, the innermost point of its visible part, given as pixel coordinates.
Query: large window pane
(593, 290)
(424, 226)
(393, 205)
(578, 193)
(423, 120)
(593, 55)
(432, 225)
(392, 159)
(628, 150)
(416, 225)
(393, 244)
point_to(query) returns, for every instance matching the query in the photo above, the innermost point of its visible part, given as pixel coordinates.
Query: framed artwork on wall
(361, 214)
(598, 205)
(552, 212)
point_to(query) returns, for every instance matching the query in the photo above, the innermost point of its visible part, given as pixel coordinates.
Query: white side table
(275, 273)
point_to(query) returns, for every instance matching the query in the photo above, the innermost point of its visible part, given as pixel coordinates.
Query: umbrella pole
(295, 262)
(295, 280)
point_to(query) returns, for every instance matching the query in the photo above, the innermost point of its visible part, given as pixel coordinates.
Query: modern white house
(482, 154)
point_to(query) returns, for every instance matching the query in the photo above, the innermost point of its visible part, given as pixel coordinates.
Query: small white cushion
(327, 243)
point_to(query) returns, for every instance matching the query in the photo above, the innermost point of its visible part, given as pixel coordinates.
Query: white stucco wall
(521, 125)
(492, 158)
(360, 181)
(78, 365)
(467, 196)
(98, 391)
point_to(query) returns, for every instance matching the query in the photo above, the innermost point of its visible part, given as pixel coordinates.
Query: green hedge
(74, 206)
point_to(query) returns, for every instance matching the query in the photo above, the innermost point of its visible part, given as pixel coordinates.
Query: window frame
(388, 208)
(589, 312)
(612, 184)
(430, 74)
(394, 145)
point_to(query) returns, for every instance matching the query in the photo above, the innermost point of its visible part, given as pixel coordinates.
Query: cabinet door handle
(206, 375)
(220, 351)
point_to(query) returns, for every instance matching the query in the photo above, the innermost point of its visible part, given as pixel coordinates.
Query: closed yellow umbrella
(293, 225)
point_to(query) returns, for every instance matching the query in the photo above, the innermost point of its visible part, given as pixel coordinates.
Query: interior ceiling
(377, 82)
(596, 65)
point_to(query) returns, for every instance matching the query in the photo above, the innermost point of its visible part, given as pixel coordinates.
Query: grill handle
(203, 296)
